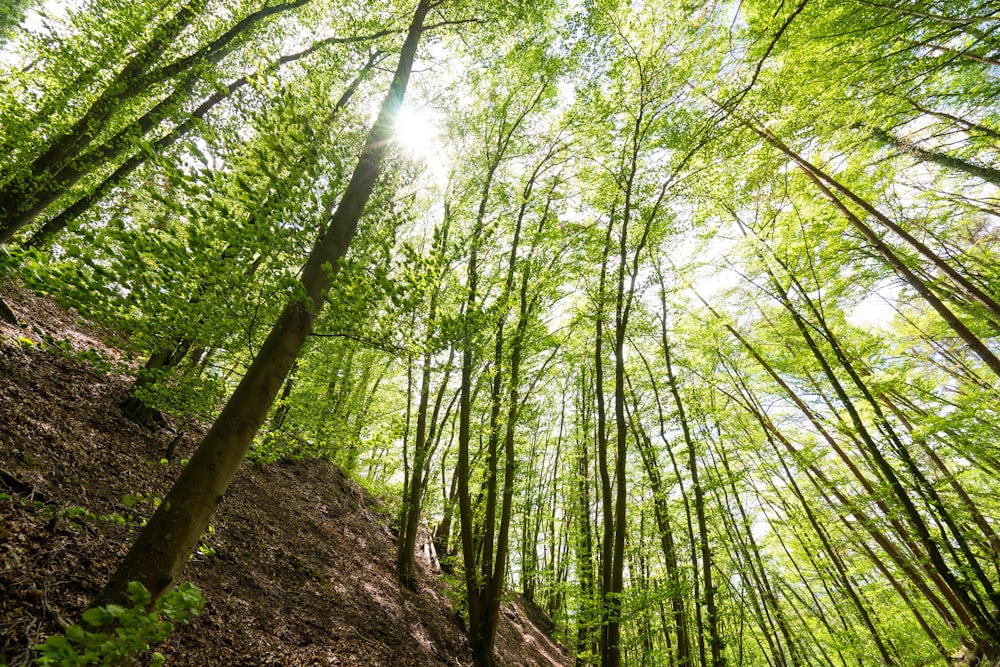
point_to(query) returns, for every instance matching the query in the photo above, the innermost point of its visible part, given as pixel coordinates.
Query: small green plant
(204, 548)
(90, 356)
(150, 499)
(75, 515)
(51, 343)
(95, 360)
(120, 635)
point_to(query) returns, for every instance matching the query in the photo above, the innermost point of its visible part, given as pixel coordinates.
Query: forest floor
(298, 568)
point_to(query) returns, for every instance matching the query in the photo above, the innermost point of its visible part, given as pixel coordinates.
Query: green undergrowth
(116, 635)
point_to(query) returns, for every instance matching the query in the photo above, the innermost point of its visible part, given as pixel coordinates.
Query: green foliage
(120, 635)
(90, 356)
(643, 106)
(184, 392)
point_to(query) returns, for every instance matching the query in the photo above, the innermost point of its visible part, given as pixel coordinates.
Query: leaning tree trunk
(823, 182)
(985, 624)
(165, 544)
(712, 614)
(827, 184)
(904, 563)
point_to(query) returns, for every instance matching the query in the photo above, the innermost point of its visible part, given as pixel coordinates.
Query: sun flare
(416, 132)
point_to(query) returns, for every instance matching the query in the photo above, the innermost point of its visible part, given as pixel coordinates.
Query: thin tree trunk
(586, 642)
(941, 159)
(494, 572)
(887, 654)
(662, 516)
(607, 515)
(983, 623)
(924, 487)
(711, 612)
(748, 544)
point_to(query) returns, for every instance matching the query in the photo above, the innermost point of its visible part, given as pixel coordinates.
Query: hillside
(297, 571)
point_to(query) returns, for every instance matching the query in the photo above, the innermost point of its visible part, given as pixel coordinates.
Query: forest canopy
(682, 319)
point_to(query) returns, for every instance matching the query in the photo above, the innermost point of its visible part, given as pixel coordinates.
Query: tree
(697, 336)
(424, 439)
(163, 547)
(484, 554)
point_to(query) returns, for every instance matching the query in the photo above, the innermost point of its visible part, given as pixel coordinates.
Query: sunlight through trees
(682, 319)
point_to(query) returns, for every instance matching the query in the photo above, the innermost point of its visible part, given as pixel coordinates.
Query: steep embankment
(297, 571)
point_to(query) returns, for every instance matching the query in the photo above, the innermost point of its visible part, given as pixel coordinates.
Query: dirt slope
(298, 569)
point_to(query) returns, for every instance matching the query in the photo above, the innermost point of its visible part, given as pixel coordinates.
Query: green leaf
(75, 632)
(54, 642)
(138, 594)
(97, 616)
(116, 610)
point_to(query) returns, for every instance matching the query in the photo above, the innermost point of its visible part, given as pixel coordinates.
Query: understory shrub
(121, 635)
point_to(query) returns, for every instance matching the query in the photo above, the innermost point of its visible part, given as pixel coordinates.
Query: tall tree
(163, 547)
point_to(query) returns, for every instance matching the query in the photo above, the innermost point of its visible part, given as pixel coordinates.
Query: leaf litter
(298, 568)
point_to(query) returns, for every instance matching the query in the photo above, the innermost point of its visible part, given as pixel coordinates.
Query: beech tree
(687, 315)
(172, 534)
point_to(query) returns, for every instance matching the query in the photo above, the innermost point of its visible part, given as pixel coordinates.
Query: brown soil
(298, 569)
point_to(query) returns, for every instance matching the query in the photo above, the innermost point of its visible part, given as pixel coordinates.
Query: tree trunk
(867, 485)
(985, 626)
(711, 612)
(586, 646)
(607, 515)
(134, 407)
(662, 516)
(483, 573)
